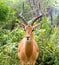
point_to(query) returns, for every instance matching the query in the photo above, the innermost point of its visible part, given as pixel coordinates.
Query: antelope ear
(22, 25)
(36, 26)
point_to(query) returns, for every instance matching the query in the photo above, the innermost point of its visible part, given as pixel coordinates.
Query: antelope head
(29, 28)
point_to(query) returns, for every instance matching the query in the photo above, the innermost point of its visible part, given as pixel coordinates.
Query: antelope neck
(29, 48)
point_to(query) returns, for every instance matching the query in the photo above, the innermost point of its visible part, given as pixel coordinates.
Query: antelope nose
(28, 38)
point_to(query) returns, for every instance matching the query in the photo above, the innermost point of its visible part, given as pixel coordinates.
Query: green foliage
(48, 46)
(8, 46)
(3, 11)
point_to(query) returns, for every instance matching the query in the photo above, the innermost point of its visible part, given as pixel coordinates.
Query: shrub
(3, 11)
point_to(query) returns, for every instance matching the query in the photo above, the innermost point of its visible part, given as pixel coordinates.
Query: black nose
(28, 38)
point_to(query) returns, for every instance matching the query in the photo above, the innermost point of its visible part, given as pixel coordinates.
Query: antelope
(28, 49)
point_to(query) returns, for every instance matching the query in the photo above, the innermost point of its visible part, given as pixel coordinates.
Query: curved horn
(36, 19)
(24, 20)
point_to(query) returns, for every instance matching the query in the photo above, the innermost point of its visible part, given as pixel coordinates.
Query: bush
(8, 46)
(3, 11)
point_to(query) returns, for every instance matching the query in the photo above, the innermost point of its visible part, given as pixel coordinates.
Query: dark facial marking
(33, 30)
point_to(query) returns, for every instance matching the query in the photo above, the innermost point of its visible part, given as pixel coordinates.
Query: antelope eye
(32, 30)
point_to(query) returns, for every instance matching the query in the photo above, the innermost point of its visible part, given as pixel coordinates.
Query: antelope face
(29, 32)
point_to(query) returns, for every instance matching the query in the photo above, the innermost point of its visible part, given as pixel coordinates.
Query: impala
(28, 49)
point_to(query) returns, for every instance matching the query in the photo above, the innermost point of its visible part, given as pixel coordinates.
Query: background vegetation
(46, 36)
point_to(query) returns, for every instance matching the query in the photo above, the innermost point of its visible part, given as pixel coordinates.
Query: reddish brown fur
(28, 50)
